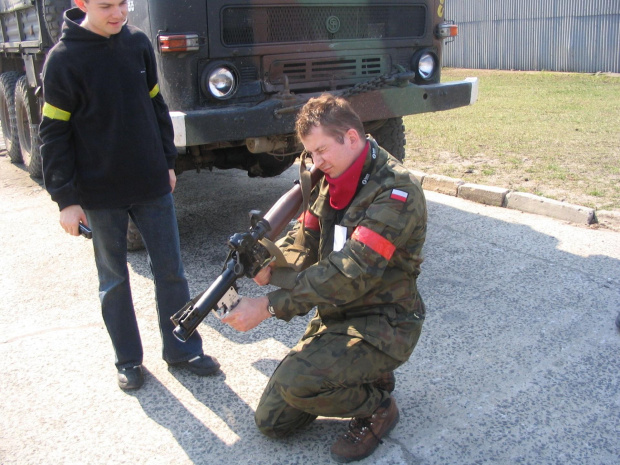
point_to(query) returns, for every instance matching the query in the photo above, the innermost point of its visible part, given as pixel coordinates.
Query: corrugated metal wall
(554, 35)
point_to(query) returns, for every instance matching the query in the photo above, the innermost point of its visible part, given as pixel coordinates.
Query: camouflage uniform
(369, 312)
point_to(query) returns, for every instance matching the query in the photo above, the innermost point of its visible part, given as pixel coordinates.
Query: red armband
(375, 241)
(310, 221)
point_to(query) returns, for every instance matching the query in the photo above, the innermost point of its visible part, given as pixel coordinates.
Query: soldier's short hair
(334, 114)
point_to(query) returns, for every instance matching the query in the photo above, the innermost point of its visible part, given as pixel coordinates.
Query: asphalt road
(519, 360)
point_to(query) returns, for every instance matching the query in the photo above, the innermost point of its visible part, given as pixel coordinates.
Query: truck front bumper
(277, 115)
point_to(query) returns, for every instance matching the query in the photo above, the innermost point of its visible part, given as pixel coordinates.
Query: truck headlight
(219, 82)
(425, 65)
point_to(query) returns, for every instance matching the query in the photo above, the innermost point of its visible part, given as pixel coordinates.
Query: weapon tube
(284, 210)
(245, 252)
(189, 317)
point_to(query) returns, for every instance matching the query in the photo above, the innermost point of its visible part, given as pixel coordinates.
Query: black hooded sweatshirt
(107, 136)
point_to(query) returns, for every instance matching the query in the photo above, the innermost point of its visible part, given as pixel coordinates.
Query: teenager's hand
(70, 219)
(173, 179)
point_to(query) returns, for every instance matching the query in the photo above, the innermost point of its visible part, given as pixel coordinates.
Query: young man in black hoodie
(108, 153)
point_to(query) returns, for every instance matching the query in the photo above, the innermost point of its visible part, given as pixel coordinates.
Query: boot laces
(358, 428)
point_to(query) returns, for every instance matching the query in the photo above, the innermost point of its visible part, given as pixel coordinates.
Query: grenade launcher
(247, 256)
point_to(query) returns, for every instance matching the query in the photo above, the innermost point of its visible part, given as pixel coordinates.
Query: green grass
(550, 134)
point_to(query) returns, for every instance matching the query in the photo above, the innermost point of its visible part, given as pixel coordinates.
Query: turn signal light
(179, 43)
(445, 30)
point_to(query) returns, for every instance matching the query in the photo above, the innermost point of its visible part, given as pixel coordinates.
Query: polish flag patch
(399, 195)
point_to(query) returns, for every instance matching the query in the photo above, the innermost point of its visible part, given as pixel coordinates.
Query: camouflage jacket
(368, 287)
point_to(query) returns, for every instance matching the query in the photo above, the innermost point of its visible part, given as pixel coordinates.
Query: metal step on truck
(234, 73)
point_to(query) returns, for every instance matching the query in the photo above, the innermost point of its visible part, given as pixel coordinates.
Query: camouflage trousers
(328, 374)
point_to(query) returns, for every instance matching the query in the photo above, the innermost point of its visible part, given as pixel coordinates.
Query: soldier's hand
(263, 277)
(248, 313)
(70, 219)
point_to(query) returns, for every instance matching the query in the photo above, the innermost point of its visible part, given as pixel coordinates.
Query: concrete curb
(500, 197)
(562, 211)
(528, 203)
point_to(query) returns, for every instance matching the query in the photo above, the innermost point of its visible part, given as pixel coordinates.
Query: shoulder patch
(399, 195)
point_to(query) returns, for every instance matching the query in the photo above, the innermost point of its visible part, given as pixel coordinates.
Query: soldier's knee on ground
(267, 429)
(268, 412)
(302, 392)
(278, 424)
(266, 420)
(274, 417)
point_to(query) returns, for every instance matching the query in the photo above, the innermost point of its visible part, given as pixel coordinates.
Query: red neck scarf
(342, 189)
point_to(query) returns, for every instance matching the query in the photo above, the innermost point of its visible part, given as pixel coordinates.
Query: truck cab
(234, 73)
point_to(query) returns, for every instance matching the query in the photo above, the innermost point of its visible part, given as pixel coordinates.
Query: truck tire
(52, 16)
(391, 136)
(134, 239)
(7, 115)
(26, 113)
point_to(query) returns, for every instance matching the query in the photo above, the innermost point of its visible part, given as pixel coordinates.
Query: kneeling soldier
(362, 242)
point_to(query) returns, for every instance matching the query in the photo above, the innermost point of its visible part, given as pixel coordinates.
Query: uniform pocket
(387, 216)
(345, 264)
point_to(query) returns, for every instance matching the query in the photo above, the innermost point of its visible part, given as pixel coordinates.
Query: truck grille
(281, 24)
(327, 69)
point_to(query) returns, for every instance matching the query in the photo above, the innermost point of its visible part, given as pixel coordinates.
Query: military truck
(235, 72)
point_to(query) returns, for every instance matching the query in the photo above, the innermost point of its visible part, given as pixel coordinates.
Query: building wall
(554, 35)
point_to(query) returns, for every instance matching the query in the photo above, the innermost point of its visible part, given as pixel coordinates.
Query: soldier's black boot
(387, 382)
(618, 321)
(365, 434)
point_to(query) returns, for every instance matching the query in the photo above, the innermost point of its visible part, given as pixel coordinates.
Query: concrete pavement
(519, 360)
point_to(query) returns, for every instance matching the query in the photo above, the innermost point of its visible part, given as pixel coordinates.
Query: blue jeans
(156, 220)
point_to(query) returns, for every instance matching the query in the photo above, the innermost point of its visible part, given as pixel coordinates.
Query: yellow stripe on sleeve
(55, 113)
(154, 91)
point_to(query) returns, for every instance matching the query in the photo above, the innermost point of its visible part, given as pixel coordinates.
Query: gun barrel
(207, 302)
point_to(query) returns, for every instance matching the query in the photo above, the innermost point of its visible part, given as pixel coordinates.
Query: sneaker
(201, 365)
(387, 382)
(365, 434)
(130, 378)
